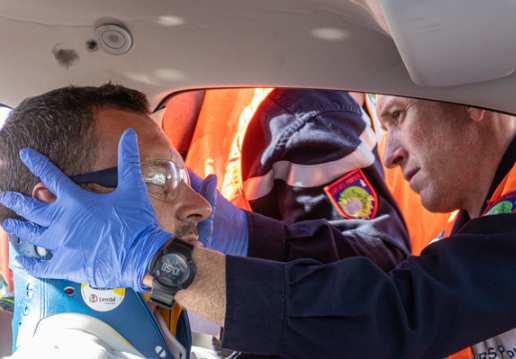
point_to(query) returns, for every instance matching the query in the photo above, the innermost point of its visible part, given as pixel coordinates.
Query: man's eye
(396, 116)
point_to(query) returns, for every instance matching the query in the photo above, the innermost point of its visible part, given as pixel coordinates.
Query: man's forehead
(387, 100)
(159, 149)
(154, 145)
(152, 142)
(386, 104)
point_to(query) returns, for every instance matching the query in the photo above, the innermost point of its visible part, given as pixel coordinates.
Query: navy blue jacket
(460, 291)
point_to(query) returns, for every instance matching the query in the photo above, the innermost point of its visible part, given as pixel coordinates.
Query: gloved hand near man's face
(226, 229)
(106, 240)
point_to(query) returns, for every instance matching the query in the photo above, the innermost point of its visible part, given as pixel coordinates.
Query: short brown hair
(61, 125)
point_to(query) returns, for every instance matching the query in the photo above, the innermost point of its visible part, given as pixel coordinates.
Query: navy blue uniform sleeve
(317, 239)
(299, 142)
(458, 292)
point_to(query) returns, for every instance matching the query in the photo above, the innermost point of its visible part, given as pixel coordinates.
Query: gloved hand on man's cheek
(106, 240)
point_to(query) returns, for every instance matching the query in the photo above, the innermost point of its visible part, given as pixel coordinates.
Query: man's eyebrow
(386, 110)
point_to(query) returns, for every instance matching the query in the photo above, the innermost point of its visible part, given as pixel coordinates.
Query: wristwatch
(172, 269)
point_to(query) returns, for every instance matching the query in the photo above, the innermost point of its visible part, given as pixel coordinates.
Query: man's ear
(476, 114)
(42, 193)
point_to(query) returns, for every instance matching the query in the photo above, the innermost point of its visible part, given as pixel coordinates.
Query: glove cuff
(151, 241)
(234, 238)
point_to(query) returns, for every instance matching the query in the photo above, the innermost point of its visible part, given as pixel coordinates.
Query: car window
(4, 113)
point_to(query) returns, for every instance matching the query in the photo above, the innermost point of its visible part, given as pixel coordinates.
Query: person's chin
(416, 187)
(427, 198)
(434, 202)
(196, 243)
(416, 181)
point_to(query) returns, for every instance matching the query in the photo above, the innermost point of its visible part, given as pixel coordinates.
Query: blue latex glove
(106, 240)
(207, 189)
(227, 223)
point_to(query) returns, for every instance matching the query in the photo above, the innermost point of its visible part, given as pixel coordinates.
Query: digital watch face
(173, 270)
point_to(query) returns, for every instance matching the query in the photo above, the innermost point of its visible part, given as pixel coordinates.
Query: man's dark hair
(61, 125)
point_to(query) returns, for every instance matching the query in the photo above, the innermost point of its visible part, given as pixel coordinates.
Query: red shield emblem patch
(353, 196)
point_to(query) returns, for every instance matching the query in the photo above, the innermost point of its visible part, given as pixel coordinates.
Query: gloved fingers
(209, 190)
(33, 266)
(28, 232)
(205, 230)
(128, 148)
(129, 173)
(195, 181)
(27, 207)
(57, 182)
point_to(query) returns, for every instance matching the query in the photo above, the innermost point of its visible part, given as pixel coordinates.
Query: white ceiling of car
(445, 42)
(340, 44)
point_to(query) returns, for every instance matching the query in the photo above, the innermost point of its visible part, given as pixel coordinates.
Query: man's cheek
(165, 219)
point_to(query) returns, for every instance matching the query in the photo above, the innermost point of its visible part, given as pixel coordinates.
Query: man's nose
(394, 152)
(193, 206)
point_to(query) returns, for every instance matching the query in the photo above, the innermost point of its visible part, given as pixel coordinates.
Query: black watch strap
(163, 295)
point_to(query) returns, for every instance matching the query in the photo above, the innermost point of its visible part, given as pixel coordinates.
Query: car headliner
(334, 44)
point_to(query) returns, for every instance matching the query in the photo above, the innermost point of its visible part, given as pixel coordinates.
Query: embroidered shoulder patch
(353, 196)
(505, 204)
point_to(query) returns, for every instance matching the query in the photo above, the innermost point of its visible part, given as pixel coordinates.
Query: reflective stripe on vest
(308, 176)
(217, 143)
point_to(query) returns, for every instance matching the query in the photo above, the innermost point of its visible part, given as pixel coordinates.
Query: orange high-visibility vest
(217, 141)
